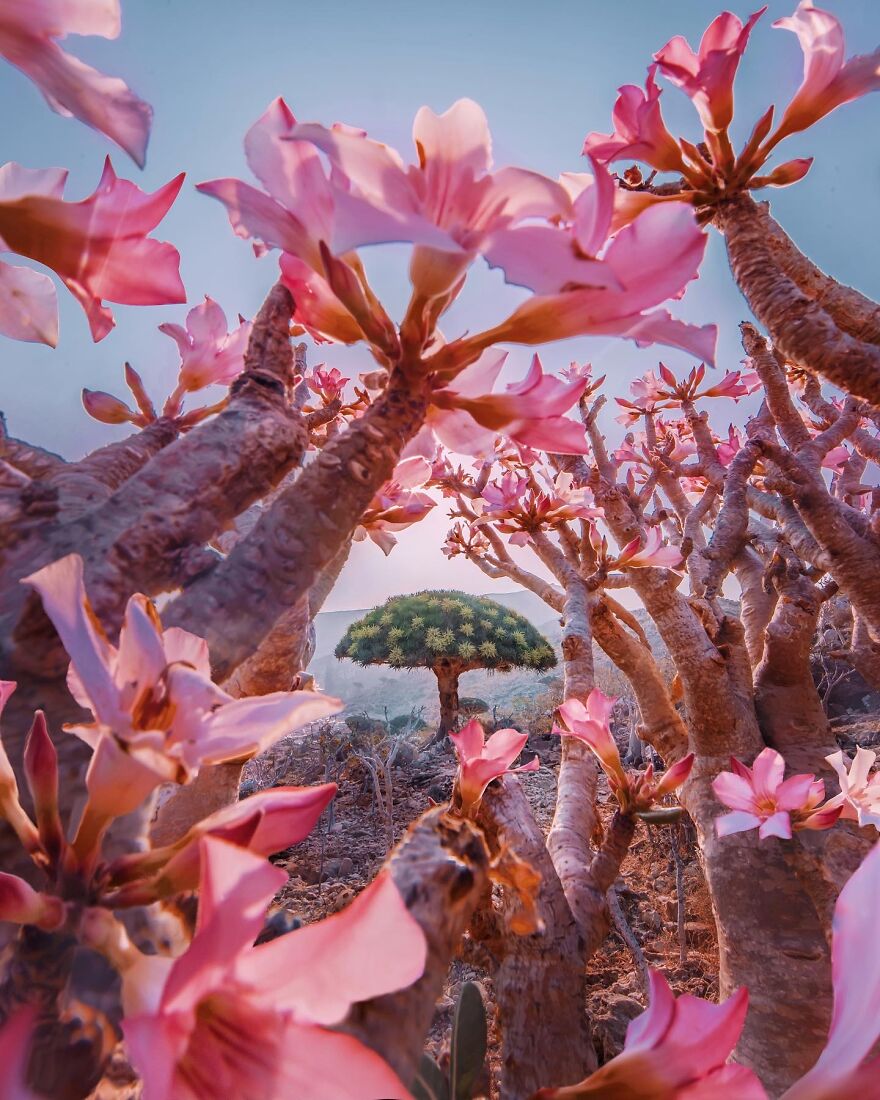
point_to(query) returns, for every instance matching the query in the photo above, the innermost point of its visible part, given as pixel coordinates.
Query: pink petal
(768, 769)
(118, 782)
(855, 1022)
(71, 87)
(28, 306)
(542, 258)
(15, 1042)
(62, 590)
(504, 746)
(737, 822)
(469, 741)
(734, 791)
(370, 948)
(327, 1065)
(248, 726)
(794, 793)
(778, 824)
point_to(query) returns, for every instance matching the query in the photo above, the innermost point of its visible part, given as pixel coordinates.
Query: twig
(674, 836)
(626, 933)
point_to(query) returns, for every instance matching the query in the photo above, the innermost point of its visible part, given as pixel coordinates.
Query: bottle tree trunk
(447, 673)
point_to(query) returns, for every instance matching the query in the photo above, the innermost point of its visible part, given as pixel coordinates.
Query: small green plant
(467, 1053)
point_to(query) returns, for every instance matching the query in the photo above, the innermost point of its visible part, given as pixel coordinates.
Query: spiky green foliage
(419, 630)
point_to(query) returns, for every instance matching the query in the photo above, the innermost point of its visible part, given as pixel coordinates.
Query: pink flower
(452, 189)
(466, 417)
(98, 247)
(27, 40)
(157, 715)
(503, 496)
(481, 760)
(707, 76)
(327, 384)
(209, 355)
(253, 1020)
(650, 554)
(841, 1070)
(762, 800)
(636, 792)
(729, 447)
(652, 259)
(397, 505)
(829, 80)
(859, 790)
(678, 1047)
(639, 131)
(265, 823)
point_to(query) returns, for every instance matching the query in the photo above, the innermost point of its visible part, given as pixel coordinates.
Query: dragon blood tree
(449, 633)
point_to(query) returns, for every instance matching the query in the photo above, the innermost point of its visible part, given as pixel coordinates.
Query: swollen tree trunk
(447, 673)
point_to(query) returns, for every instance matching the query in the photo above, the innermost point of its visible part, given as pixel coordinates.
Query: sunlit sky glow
(545, 73)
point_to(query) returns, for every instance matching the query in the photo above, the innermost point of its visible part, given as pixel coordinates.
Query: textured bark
(447, 673)
(662, 726)
(212, 789)
(279, 658)
(789, 709)
(756, 602)
(800, 328)
(864, 653)
(236, 603)
(440, 869)
(542, 972)
(770, 938)
(852, 311)
(33, 461)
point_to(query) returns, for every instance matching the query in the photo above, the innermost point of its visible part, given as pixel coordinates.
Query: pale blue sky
(546, 73)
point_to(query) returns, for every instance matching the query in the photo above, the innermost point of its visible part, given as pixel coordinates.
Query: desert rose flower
(157, 715)
(829, 79)
(99, 247)
(15, 1041)
(639, 130)
(707, 76)
(649, 552)
(398, 504)
(28, 33)
(761, 799)
(209, 355)
(859, 796)
(590, 722)
(678, 1047)
(246, 1020)
(480, 760)
(466, 416)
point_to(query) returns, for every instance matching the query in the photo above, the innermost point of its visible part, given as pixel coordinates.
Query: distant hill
(373, 689)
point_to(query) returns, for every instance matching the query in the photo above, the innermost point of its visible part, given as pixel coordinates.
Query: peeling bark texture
(544, 970)
(236, 603)
(852, 311)
(800, 328)
(770, 938)
(731, 526)
(441, 870)
(212, 789)
(756, 603)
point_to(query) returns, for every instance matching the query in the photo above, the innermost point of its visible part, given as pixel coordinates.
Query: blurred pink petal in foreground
(28, 29)
(254, 1018)
(15, 1037)
(99, 247)
(678, 1047)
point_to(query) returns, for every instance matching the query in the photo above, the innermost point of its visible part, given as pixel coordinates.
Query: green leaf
(661, 815)
(430, 1082)
(468, 1050)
